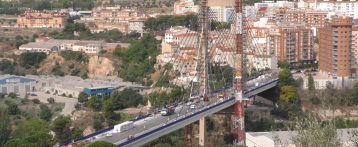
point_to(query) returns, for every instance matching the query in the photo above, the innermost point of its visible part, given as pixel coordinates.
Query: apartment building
(335, 47)
(109, 18)
(184, 7)
(272, 4)
(42, 19)
(221, 10)
(291, 42)
(355, 51)
(344, 7)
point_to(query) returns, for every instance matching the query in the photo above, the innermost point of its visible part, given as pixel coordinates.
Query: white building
(45, 47)
(136, 25)
(347, 8)
(53, 45)
(271, 4)
(173, 31)
(183, 7)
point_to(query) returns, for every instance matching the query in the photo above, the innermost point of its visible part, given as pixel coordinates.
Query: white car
(189, 103)
(108, 134)
(192, 106)
(221, 99)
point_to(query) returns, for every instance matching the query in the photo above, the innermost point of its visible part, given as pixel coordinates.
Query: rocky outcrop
(101, 66)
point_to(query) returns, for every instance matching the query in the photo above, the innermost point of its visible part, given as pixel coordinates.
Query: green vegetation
(311, 85)
(61, 127)
(31, 59)
(85, 34)
(313, 132)
(36, 134)
(36, 101)
(82, 97)
(74, 56)
(288, 104)
(5, 129)
(101, 144)
(138, 60)
(164, 22)
(221, 76)
(45, 113)
(57, 71)
(51, 100)
(20, 41)
(7, 67)
(124, 99)
(216, 25)
(94, 103)
(17, 7)
(160, 99)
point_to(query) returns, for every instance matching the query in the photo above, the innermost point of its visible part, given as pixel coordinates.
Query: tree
(94, 103)
(13, 109)
(288, 94)
(51, 100)
(311, 85)
(284, 64)
(101, 144)
(12, 95)
(82, 97)
(61, 127)
(285, 77)
(36, 101)
(311, 132)
(45, 113)
(97, 122)
(77, 133)
(5, 129)
(32, 132)
(29, 59)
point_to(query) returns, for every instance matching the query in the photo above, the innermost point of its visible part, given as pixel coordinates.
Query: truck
(125, 126)
(167, 111)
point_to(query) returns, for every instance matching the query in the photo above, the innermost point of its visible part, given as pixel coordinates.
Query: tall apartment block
(292, 43)
(335, 47)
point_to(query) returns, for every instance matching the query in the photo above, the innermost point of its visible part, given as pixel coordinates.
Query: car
(109, 135)
(221, 99)
(192, 106)
(189, 103)
(33, 94)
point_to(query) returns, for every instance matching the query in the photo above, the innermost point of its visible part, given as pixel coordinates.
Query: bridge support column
(238, 124)
(188, 132)
(202, 131)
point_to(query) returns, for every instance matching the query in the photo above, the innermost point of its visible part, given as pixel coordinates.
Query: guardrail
(149, 132)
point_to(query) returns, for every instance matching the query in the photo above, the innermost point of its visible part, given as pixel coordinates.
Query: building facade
(184, 7)
(16, 84)
(335, 47)
(291, 43)
(42, 19)
(344, 7)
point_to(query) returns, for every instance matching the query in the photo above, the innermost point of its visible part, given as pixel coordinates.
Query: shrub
(12, 95)
(36, 101)
(51, 100)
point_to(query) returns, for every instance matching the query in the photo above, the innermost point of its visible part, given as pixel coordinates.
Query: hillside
(95, 66)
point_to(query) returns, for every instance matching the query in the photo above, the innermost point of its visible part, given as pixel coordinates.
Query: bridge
(212, 36)
(155, 126)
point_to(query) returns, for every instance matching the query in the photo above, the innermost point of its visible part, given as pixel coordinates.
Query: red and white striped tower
(238, 123)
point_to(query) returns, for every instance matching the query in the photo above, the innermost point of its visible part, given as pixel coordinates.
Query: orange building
(42, 19)
(293, 43)
(335, 48)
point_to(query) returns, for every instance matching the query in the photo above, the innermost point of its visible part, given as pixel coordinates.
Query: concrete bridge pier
(202, 131)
